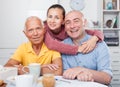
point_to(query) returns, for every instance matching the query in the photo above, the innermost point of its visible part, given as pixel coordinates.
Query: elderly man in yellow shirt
(35, 51)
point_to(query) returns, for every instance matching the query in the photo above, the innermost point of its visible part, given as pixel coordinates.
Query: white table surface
(66, 83)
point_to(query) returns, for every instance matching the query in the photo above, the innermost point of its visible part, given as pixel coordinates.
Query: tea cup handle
(23, 69)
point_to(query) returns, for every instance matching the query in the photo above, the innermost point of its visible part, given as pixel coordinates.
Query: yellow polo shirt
(26, 55)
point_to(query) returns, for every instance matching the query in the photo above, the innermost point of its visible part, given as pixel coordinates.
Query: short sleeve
(56, 55)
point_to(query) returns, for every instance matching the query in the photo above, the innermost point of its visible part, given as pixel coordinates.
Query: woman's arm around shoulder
(59, 46)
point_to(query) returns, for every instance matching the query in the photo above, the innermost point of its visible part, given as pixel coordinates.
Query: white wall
(90, 11)
(14, 12)
(39, 7)
(12, 17)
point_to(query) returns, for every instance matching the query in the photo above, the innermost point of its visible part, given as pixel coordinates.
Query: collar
(43, 48)
(85, 38)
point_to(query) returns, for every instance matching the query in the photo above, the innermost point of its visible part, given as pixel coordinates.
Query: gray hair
(32, 18)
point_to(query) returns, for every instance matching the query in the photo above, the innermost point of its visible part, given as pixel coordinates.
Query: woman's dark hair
(57, 6)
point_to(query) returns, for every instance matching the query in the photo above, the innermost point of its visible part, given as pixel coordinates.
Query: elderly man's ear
(24, 33)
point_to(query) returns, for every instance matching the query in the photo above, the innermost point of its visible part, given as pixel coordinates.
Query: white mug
(24, 80)
(34, 69)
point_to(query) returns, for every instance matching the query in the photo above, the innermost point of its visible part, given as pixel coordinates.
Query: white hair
(32, 18)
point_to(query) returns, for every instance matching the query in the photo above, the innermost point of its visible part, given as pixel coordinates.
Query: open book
(61, 82)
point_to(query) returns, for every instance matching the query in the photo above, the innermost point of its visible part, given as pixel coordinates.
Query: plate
(60, 82)
(1, 67)
(11, 80)
(77, 4)
(109, 23)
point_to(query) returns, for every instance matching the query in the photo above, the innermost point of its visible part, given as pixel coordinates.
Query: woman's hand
(89, 45)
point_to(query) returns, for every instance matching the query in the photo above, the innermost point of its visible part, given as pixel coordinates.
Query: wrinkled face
(34, 31)
(55, 18)
(74, 24)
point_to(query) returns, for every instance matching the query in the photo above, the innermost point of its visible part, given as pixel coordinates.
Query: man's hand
(85, 76)
(20, 67)
(80, 73)
(71, 73)
(51, 66)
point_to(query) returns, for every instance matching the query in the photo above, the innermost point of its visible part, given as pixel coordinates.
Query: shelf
(110, 18)
(111, 10)
(113, 29)
(110, 4)
(110, 21)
